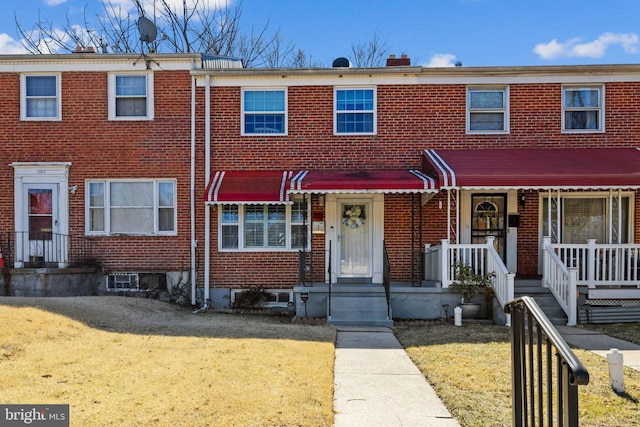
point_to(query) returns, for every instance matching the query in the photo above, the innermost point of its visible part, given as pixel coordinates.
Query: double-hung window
(41, 99)
(131, 96)
(252, 227)
(264, 112)
(583, 109)
(355, 111)
(139, 207)
(487, 110)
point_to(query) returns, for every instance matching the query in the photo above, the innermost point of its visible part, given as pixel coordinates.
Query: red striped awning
(362, 181)
(238, 187)
(552, 168)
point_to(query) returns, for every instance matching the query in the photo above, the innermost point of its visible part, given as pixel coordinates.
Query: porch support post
(572, 299)
(546, 241)
(445, 264)
(449, 215)
(591, 263)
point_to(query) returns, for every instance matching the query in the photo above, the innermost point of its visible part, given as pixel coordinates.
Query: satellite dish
(147, 29)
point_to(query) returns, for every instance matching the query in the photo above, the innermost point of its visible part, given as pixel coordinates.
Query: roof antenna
(148, 33)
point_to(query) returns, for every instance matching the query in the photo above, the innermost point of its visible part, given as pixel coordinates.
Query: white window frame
(600, 109)
(129, 282)
(608, 196)
(504, 110)
(374, 111)
(284, 112)
(240, 227)
(112, 96)
(107, 207)
(23, 97)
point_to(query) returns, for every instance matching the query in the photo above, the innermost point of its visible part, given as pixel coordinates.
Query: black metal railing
(543, 368)
(329, 272)
(386, 277)
(47, 249)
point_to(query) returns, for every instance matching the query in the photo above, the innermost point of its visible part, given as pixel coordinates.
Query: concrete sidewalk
(376, 384)
(601, 344)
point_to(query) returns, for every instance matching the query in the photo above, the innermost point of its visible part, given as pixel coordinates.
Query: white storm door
(355, 247)
(41, 239)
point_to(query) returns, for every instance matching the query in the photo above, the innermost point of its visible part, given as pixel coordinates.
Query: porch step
(359, 305)
(543, 297)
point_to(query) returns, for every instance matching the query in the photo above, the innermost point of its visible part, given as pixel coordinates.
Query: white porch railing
(561, 280)
(483, 258)
(602, 264)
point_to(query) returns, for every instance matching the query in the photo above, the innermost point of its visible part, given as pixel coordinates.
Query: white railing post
(445, 264)
(572, 298)
(591, 263)
(546, 242)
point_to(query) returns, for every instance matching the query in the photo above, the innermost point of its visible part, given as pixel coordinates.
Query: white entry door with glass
(355, 239)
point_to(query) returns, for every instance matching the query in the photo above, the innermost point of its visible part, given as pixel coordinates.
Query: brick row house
(349, 193)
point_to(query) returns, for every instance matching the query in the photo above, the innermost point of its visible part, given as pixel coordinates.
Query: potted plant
(469, 284)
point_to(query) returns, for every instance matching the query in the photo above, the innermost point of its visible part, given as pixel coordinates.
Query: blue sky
(430, 32)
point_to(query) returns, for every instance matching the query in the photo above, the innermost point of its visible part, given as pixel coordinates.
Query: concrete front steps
(543, 297)
(359, 305)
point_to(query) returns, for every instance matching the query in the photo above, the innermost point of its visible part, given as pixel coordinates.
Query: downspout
(194, 242)
(207, 175)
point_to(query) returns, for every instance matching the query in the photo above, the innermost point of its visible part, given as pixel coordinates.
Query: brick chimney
(403, 61)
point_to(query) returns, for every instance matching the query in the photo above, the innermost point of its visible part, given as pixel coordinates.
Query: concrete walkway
(376, 384)
(601, 344)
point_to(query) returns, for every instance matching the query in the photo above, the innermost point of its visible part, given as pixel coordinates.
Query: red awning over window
(257, 187)
(362, 181)
(570, 168)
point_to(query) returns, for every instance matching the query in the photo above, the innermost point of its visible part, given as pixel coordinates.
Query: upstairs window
(264, 227)
(144, 207)
(355, 111)
(583, 109)
(130, 96)
(487, 110)
(264, 112)
(41, 98)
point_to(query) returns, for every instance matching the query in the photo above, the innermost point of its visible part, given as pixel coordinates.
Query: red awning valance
(569, 168)
(257, 187)
(362, 181)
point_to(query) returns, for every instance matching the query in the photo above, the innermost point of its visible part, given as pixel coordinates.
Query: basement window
(123, 282)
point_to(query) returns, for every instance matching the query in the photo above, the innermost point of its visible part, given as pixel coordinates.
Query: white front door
(41, 238)
(355, 238)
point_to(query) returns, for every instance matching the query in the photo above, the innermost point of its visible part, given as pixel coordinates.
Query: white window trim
(375, 110)
(107, 208)
(285, 112)
(241, 214)
(23, 97)
(590, 195)
(112, 97)
(504, 110)
(601, 118)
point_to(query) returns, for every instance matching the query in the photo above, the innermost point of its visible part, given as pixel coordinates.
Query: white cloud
(175, 5)
(9, 45)
(594, 49)
(441, 60)
(54, 2)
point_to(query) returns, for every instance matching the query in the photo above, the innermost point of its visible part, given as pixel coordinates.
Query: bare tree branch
(370, 54)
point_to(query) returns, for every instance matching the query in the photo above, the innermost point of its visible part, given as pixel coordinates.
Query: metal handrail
(386, 277)
(47, 249)
(329, 272)
(532, 374)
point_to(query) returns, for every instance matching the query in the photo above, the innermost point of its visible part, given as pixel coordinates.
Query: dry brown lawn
(139, 362)
(469, 367)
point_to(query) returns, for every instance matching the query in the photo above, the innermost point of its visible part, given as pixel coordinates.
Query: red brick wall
(410, 119)
(99, 148)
